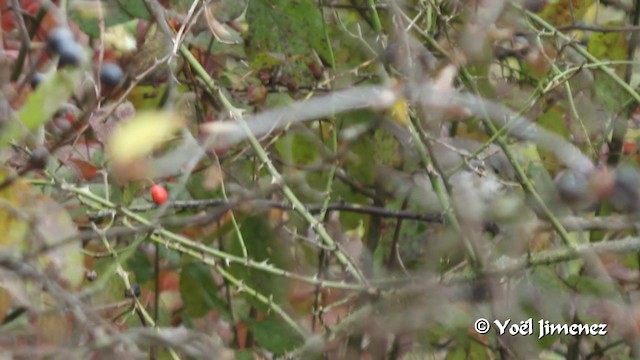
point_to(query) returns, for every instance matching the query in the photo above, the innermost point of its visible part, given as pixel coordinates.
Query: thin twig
(246, 132)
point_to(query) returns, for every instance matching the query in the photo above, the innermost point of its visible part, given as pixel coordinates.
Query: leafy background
(347, 179)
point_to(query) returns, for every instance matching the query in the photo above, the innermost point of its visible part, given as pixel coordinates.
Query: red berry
(159, 194)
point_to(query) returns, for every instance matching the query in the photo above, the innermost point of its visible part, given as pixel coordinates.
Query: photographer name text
(542, 328)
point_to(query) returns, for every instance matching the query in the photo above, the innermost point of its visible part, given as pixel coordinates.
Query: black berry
(572, 187)
(111, 74)
(626, 189)
(71, 54)
(134, 291)
(39, 158)
(36, 80)
(58, 37)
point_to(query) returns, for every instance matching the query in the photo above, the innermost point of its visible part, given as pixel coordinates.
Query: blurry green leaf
(563, 12)
(542, 181)
(548, 279)
(590, 286)
(275, 336)
(609, 46)
(457, 353)
(477, 351)
(266, 61)
(361, 161)
(43, 103)
(261, 245)
(226, 10)
(134, 8)
(244, 355)
(287, 29)
(156, 46)
(612, 96)
(298, 148)
(142, 134)
(198, 290)
(292, 27)
(87, 21)
(277, 99)
(129, 193)
(140, 265)
(387, 148)
(554, 120)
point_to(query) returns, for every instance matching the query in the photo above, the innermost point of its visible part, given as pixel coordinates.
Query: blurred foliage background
(353, 179)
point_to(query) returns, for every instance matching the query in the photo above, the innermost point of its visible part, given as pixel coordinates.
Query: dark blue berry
(58, 37)
(39, 158)
(36, 80)
(626, 189)
(71, 54)
(134, 291)
(111, 74)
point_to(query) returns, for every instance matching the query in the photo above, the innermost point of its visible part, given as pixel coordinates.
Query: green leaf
(561, 13)
(456, 353)
(287, 32)
(89, 24)
(140, 265)
(554, 120)
(244, 355)
(387, 150)
(477, 351)
(275, 336)
(134, 8)
(44, 102)
(609, 45)
(198, 290)
(115, 13)
(261, 245)
(298, 149)
(360, 163)
(590, 286)
(292, 27)
(612, 96)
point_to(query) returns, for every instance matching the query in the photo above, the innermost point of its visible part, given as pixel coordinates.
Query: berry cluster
(62, 43)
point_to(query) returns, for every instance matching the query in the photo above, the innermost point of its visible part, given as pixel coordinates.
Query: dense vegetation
(353, 179)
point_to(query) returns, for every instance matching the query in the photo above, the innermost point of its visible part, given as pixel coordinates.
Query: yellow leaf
(142, 134)
(29, 221)
(13, 220)
(400, 112)
(57, 230)
(146, 96)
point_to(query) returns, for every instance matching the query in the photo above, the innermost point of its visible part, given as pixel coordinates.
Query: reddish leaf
(78, 159)
(169, 281)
